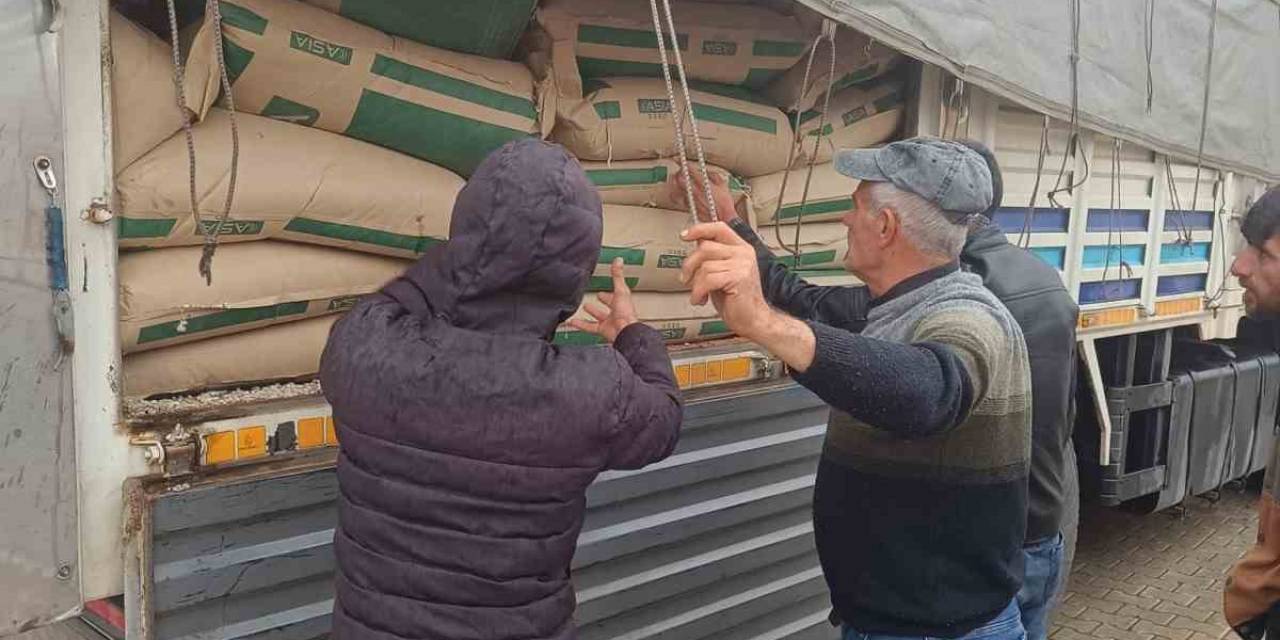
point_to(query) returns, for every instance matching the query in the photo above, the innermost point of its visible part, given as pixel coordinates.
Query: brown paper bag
(164, 301)
(294, 183)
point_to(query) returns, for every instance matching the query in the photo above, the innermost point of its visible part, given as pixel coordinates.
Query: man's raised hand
(723, 269)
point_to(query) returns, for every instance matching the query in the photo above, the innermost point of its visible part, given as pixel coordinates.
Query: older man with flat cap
(921, 498)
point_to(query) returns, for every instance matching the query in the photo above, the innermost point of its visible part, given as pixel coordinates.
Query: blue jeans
(1005, 626)
(1043, 561)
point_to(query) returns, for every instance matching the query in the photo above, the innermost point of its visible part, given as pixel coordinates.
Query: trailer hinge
(174, 454)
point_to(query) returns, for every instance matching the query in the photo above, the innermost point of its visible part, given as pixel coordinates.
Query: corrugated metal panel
(714, 542)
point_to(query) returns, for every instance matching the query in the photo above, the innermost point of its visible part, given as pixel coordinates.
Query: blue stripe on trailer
(1190, 220)
(1176, 285)
(1180, 253)
(1110, 291)
(1055, 257)
(1043, 219)
(1102, 256)
(1120, 220)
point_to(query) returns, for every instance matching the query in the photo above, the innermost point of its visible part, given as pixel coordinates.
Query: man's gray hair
(924, 224)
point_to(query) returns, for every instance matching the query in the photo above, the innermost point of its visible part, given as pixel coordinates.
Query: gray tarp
(1020, 49)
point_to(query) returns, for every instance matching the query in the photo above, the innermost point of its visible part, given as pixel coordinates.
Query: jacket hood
(523, 242)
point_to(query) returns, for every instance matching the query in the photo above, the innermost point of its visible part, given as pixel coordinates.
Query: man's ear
(890, 225)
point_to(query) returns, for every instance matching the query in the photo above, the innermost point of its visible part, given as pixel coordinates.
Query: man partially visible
(1038, 300)
(1252, 599)
(468, 438)
(921, 494)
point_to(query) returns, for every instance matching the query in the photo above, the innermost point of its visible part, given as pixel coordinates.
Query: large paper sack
(858, 60)
(294, 183)
(739, 45)
(164, 301)
(830, 195)
(861, 116)
(648, 241)
(647, 183)
(298, 63)
(630, 119)
(487, 28)
(670, 313)
(144, 105)
(822, 246)
(284, 352)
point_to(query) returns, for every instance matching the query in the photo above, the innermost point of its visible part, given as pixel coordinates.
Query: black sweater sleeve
(842, 307)
(912, 390)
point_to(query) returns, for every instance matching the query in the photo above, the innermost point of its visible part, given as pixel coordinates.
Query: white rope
(828, 33)
(829, 29)
(676, 115)
(210, 232)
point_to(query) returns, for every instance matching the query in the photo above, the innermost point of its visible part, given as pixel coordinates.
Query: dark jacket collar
(915, 282)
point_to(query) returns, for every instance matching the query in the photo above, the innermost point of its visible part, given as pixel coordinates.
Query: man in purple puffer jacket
(468, 438)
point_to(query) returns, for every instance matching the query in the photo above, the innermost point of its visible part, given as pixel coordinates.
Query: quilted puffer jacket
(468, 438)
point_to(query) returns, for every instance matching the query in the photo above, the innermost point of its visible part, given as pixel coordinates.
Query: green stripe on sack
(128, 228)
(605, 283)
(627, 177)
(809, 259)
(630, 257)
(455, 142)
(218, 320)
(602, 68)
(577, 338)
(861, 74)
(826, 130)
(608, 110)
(778, 49)
(635, 38)
(887, 102)
(242, 18)
(453, 87)
(593, 85)
(237, 57)
(733, 118)
(758, 78)
(713, 328)
(815, 208)
(289, 111)
(729, 91)
(363, 235)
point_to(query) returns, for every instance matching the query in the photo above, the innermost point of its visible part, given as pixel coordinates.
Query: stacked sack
(746, 65)
(358, 122)
(352, 149)
(865, 108)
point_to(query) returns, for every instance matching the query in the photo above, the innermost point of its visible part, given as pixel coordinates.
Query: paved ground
(1147, 577)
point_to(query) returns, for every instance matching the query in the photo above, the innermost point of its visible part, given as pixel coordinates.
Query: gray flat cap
(946, 173)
